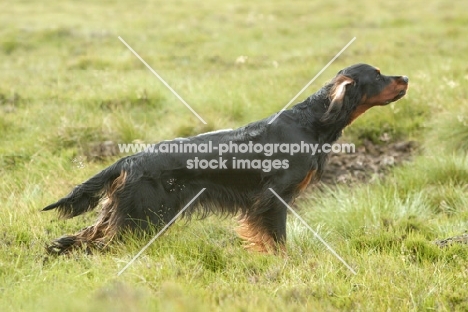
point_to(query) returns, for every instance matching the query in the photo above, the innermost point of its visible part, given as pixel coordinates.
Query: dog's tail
(87, 195)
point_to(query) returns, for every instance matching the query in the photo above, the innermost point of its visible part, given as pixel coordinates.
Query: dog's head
(359, 87)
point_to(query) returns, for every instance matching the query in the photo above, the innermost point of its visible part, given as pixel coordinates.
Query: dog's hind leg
(96, 236)
(102, 232)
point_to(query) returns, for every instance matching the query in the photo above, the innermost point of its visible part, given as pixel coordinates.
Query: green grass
(67, 81)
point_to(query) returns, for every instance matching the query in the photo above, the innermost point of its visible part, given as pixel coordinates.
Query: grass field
(67, 81)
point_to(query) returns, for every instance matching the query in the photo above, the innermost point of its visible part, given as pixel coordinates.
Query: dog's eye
(379, 77)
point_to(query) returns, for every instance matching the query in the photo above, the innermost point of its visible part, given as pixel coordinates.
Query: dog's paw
(61, 245)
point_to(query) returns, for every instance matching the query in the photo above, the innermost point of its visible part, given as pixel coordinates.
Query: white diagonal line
(315, 233)
(162, 80)
(160, 232)
(313, 79)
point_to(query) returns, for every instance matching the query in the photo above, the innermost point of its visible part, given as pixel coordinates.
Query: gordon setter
(148, 189)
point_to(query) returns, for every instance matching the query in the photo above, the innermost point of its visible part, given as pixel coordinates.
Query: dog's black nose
(405, 79)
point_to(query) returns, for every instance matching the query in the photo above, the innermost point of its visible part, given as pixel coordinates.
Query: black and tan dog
(149, 188)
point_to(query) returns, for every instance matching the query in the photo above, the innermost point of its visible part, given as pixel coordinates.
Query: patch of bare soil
(101, 150)
(461, 239)
(369, 162)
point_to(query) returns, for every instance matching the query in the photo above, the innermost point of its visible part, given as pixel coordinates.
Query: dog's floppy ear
(337, 94)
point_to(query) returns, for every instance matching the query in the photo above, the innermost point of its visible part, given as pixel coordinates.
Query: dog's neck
(311, 111)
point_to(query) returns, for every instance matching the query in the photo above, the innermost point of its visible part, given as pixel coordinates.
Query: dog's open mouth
(396, 98)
